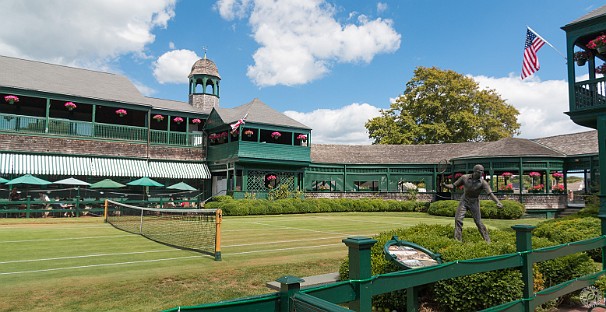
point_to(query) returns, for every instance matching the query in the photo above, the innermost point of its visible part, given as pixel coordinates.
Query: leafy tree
(443, 106)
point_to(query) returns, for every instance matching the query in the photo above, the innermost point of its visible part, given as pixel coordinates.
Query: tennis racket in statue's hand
(442, 166)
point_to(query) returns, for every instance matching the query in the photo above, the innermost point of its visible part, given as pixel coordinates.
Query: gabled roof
(582, 143)
(589, 16)
(59, 79)
(258, 113)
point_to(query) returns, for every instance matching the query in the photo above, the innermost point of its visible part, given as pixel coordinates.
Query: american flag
(237, 124)
(532, 45)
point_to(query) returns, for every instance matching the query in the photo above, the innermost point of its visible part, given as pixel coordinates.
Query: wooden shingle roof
(556, 146)
(259, 113)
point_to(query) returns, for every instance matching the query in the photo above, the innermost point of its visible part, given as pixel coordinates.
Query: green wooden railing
(590, 94)
(358, 291)
(66, 127)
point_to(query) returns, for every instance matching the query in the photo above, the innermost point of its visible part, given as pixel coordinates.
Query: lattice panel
(256, 180)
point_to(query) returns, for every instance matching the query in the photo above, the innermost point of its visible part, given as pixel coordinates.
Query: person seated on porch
(46, 199)
(14, 195)
(170, 203)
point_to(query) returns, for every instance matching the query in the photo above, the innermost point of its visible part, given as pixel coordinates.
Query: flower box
(558, 189)
(11, 99)
(158, 118)
(599, 44)
(70, 106)
(121, 112)
(178, 120)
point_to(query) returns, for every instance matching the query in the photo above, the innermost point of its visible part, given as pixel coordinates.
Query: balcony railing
(589, 94)
(66, 127)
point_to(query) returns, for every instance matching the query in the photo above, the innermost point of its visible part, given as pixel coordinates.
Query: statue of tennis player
(473, 185)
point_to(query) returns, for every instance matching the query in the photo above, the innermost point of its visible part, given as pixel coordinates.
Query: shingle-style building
(194, 141)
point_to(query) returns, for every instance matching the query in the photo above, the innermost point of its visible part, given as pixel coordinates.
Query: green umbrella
(182, 186)
(28, 179)
(145, 181)
(2, 180)
(107, 183)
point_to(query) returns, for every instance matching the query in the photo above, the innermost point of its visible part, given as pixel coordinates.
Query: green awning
(19, 164)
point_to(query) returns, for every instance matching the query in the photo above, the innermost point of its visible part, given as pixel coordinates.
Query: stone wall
(50, 145)
(531, 201)
(425, 197)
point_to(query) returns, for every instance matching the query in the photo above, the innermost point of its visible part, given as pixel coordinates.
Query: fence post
(359, 269)
(289, 285)
(524, 243)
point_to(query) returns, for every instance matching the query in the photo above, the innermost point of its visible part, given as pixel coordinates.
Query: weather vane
(205, 49)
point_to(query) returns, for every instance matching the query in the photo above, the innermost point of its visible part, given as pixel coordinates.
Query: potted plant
(557, 176)
(249, 133)
(581, 57)
(507, 188)
(70, 106)
(276, 135)
(121, 112)
(196, 121)
(601, 69)
(536, 188)
(11, 99)
(178, 120)
(302, 137)
(599, 43)
(158, 118)
(558, 189)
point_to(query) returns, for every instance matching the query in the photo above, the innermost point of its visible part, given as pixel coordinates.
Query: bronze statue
(473, 185)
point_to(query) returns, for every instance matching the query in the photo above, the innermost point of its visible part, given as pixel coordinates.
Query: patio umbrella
(107, 183)
(72, 181)
(28, 179)
(2, 180)
(182, 186)
(145, 182)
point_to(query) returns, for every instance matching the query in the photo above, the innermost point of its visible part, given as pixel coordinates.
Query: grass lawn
(84, 264)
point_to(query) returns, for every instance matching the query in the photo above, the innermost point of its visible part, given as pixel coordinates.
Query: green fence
(67, 127)
(357, 292)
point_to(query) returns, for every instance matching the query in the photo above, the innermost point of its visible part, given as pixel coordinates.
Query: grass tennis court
(84, 264)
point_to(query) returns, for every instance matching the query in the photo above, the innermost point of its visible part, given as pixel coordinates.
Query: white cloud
(344, 125)
(174, 66)
(541, 104)
(303, 47)
(381, 7)
(145, 90)
(80, 33)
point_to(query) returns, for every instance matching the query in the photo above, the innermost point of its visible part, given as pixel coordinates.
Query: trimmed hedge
(244, 207)
(511, 209)
(571, 229)
(477, 291)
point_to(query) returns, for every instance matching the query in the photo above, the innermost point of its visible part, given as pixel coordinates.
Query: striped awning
(18, 164)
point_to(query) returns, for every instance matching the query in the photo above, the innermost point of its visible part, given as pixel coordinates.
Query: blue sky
(329, 64)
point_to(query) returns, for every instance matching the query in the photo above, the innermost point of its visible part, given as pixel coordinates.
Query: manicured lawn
(84, 264)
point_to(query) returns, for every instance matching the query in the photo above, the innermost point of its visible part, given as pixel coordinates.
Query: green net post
(360, 269)
(289, 285)
(523, 244)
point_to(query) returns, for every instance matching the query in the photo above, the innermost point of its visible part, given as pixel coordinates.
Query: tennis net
(193, 229)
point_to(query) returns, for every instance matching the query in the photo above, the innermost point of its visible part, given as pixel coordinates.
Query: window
(367, 186)
(323, 186)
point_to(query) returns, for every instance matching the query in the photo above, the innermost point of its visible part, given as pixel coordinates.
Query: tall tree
(443, 106)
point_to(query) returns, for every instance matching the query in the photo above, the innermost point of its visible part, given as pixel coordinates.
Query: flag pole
(547, 43)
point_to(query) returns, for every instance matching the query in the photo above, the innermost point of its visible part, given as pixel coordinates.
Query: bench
(310, 281)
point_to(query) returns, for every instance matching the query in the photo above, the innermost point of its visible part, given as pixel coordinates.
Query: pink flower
(557, 175)
(249, 132)
(70, 105)
(196, 121)
(506, 174)
(302, 137)
(457, 175)
(534, 174)
(276, 135)
(158, 117)
(597, 42)
(271, 177)
(178, 120)
(11, 99)
(121, 112)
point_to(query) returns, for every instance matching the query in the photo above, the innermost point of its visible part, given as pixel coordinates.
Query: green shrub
(571, 229)
(477, 291)
(511, 209)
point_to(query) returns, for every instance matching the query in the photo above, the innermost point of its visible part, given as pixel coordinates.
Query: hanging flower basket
(248, 133)
(302, 137)
(601, 69)
(70, 106)
(158, 118)
(213, 137)
(178, 120)
(599, 44)
(11, 99)
(196, 121)
(121, 112)
(276, 135)
(581, 57)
